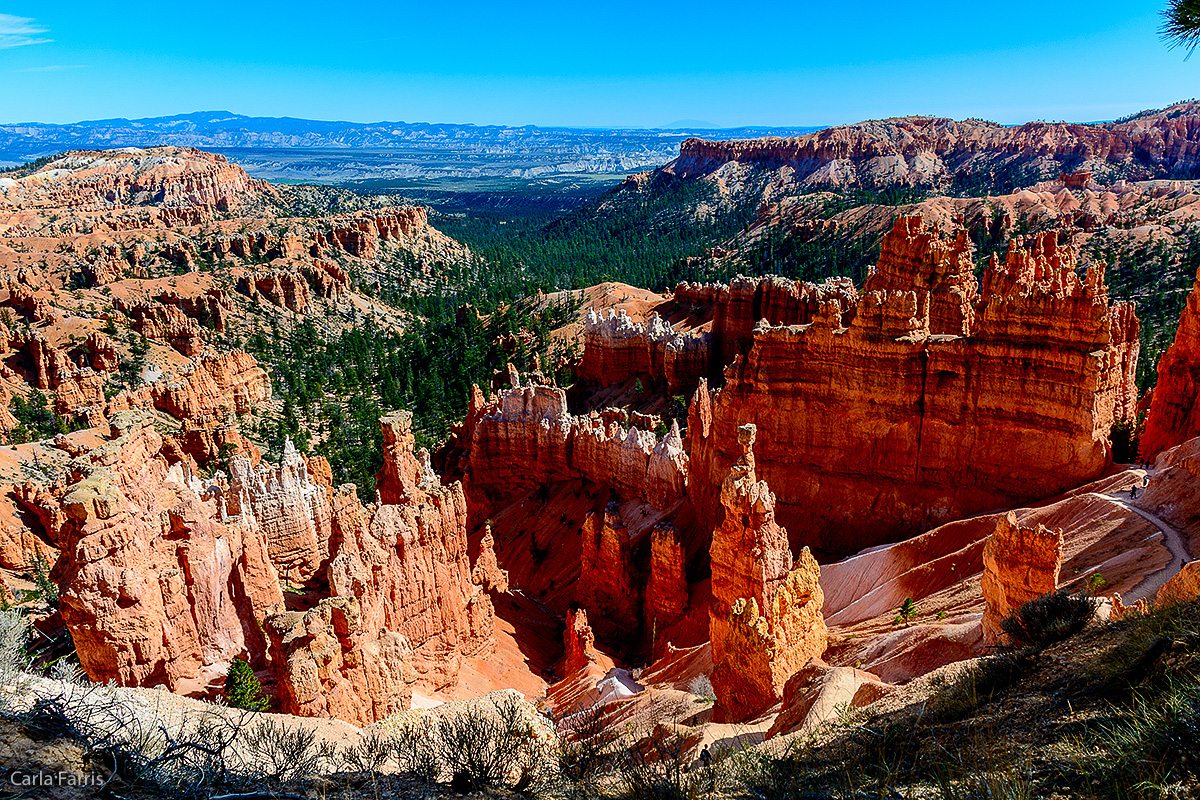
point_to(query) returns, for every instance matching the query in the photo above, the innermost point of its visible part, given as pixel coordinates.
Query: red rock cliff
(931, 150)
(1174, 415)
(525, 437)
(880, 429)
(616, 349)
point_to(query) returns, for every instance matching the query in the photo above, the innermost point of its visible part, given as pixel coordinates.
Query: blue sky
(600, 64)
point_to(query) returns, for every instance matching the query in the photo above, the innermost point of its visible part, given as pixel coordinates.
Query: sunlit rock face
(1019, 564)
(1174, 415)
(933, 402)
(765, 622)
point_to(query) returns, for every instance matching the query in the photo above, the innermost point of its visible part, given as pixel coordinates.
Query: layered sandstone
(329, 663)
(616, 349)
(925, 151)
(919, 260)
(171, 179)
(877, 428)
(1174, 415)
(164, 577)
(407, 565)
(765, 621)
(578, 642)
(279, 287)
(214, 384)
(402, 472)
(741, 305)
(1019, 564)
(487, 572)
(169, 324)
(153, 585)
(291, 512)
(215, 439)
(207, 390)
(530, 425)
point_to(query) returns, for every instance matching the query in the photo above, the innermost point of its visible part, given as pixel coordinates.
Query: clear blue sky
(600, 64)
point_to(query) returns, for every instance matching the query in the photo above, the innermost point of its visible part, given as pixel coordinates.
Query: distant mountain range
(286, 148)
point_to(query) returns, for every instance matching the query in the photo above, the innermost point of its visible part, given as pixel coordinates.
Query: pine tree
(906, 613)
(243, 689)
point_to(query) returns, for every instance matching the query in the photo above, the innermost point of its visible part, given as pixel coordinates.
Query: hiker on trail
(1133, 492)
(705, 757)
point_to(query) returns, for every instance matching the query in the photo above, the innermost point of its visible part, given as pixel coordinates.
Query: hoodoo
(766, 621)
(232, 426)
(1019, 564)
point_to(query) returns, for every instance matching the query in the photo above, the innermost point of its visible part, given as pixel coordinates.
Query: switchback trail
(1173, 541)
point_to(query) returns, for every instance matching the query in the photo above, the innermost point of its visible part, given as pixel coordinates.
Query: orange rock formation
(163, 576)
(1019, 564)
(765, 622)
(154, 585)
(1174, 415)
(888, 424)
(1181, 588)
(609, 586)
(666, 598)
(617, 349)
(921, 151)
(291, 511)
(531, 426)
(578, 642)
(329, 663)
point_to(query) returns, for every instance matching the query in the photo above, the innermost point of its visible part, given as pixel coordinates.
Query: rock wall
(878, 428)
(525, 437)
(916, 259)
(1174, 415)
(214, 384)
(616, 349)
(205, 391)
(923, 151)
(153, 585)
(288, 509)
(765, 621)
(779, 301)
(1183, 587)
(1019, 564)
(329, 663)
(407, 566)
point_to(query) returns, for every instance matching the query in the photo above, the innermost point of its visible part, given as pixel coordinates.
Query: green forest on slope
(338, 386)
